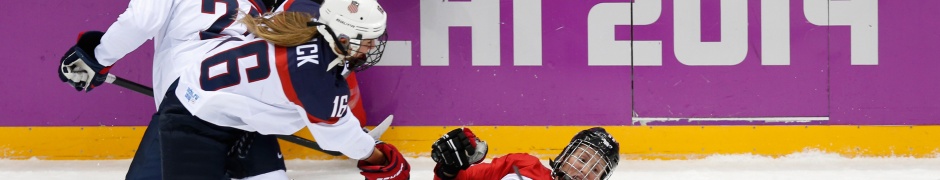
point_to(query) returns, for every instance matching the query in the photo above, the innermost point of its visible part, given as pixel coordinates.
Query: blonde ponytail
(283, 29)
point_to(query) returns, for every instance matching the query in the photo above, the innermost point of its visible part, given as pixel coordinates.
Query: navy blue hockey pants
(178, 145)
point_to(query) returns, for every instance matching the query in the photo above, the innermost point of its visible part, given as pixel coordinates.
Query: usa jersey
(173, 22)
(249, 84)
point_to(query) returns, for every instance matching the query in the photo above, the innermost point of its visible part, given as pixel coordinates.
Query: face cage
(373, 56)
(568, 153)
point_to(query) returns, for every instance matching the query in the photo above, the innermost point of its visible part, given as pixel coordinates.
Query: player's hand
(458, 149)
(79, 67)
(395, 167)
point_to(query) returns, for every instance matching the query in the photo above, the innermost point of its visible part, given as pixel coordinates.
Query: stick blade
(377, 132)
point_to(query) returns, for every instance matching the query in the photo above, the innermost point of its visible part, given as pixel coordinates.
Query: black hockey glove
(79, 67)
(457, 150)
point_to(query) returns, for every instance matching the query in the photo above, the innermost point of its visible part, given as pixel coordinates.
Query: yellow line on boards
(636, 142)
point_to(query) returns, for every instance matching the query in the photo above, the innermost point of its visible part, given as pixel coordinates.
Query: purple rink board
(455, 63)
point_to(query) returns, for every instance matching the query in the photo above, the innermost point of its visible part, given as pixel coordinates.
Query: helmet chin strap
(331, 38)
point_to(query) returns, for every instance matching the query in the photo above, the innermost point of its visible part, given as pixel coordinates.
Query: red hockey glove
(396, 167)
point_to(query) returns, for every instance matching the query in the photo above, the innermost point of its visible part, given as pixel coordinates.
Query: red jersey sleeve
(529, 167)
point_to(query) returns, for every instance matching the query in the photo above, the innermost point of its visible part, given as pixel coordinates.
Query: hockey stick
(380, 129)
(112, 79)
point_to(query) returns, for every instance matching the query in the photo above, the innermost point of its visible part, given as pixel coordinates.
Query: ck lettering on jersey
(307, 53)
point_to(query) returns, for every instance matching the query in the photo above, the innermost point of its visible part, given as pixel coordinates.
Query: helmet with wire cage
(584, 147)
(347, 24)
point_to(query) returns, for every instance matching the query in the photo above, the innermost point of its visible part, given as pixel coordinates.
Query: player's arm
(239, 111)
(510, 166)
(345, 135)
(142, 20)
(85, 65)
(478, 171)
(377, 160)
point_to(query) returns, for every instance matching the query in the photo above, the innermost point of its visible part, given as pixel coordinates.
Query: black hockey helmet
(597, 139)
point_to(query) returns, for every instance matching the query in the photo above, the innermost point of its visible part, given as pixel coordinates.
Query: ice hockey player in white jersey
(168, 23)
(236, 84)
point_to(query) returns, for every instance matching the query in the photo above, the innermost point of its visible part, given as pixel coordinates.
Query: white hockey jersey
(252, 92)
(247, 83)
(169, 23)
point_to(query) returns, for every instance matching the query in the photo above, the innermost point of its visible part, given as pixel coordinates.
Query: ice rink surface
(802, 166)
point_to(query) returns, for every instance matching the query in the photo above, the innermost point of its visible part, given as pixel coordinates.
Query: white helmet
(355, 21)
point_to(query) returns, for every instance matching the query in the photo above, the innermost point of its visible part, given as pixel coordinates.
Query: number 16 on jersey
(340, 106)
